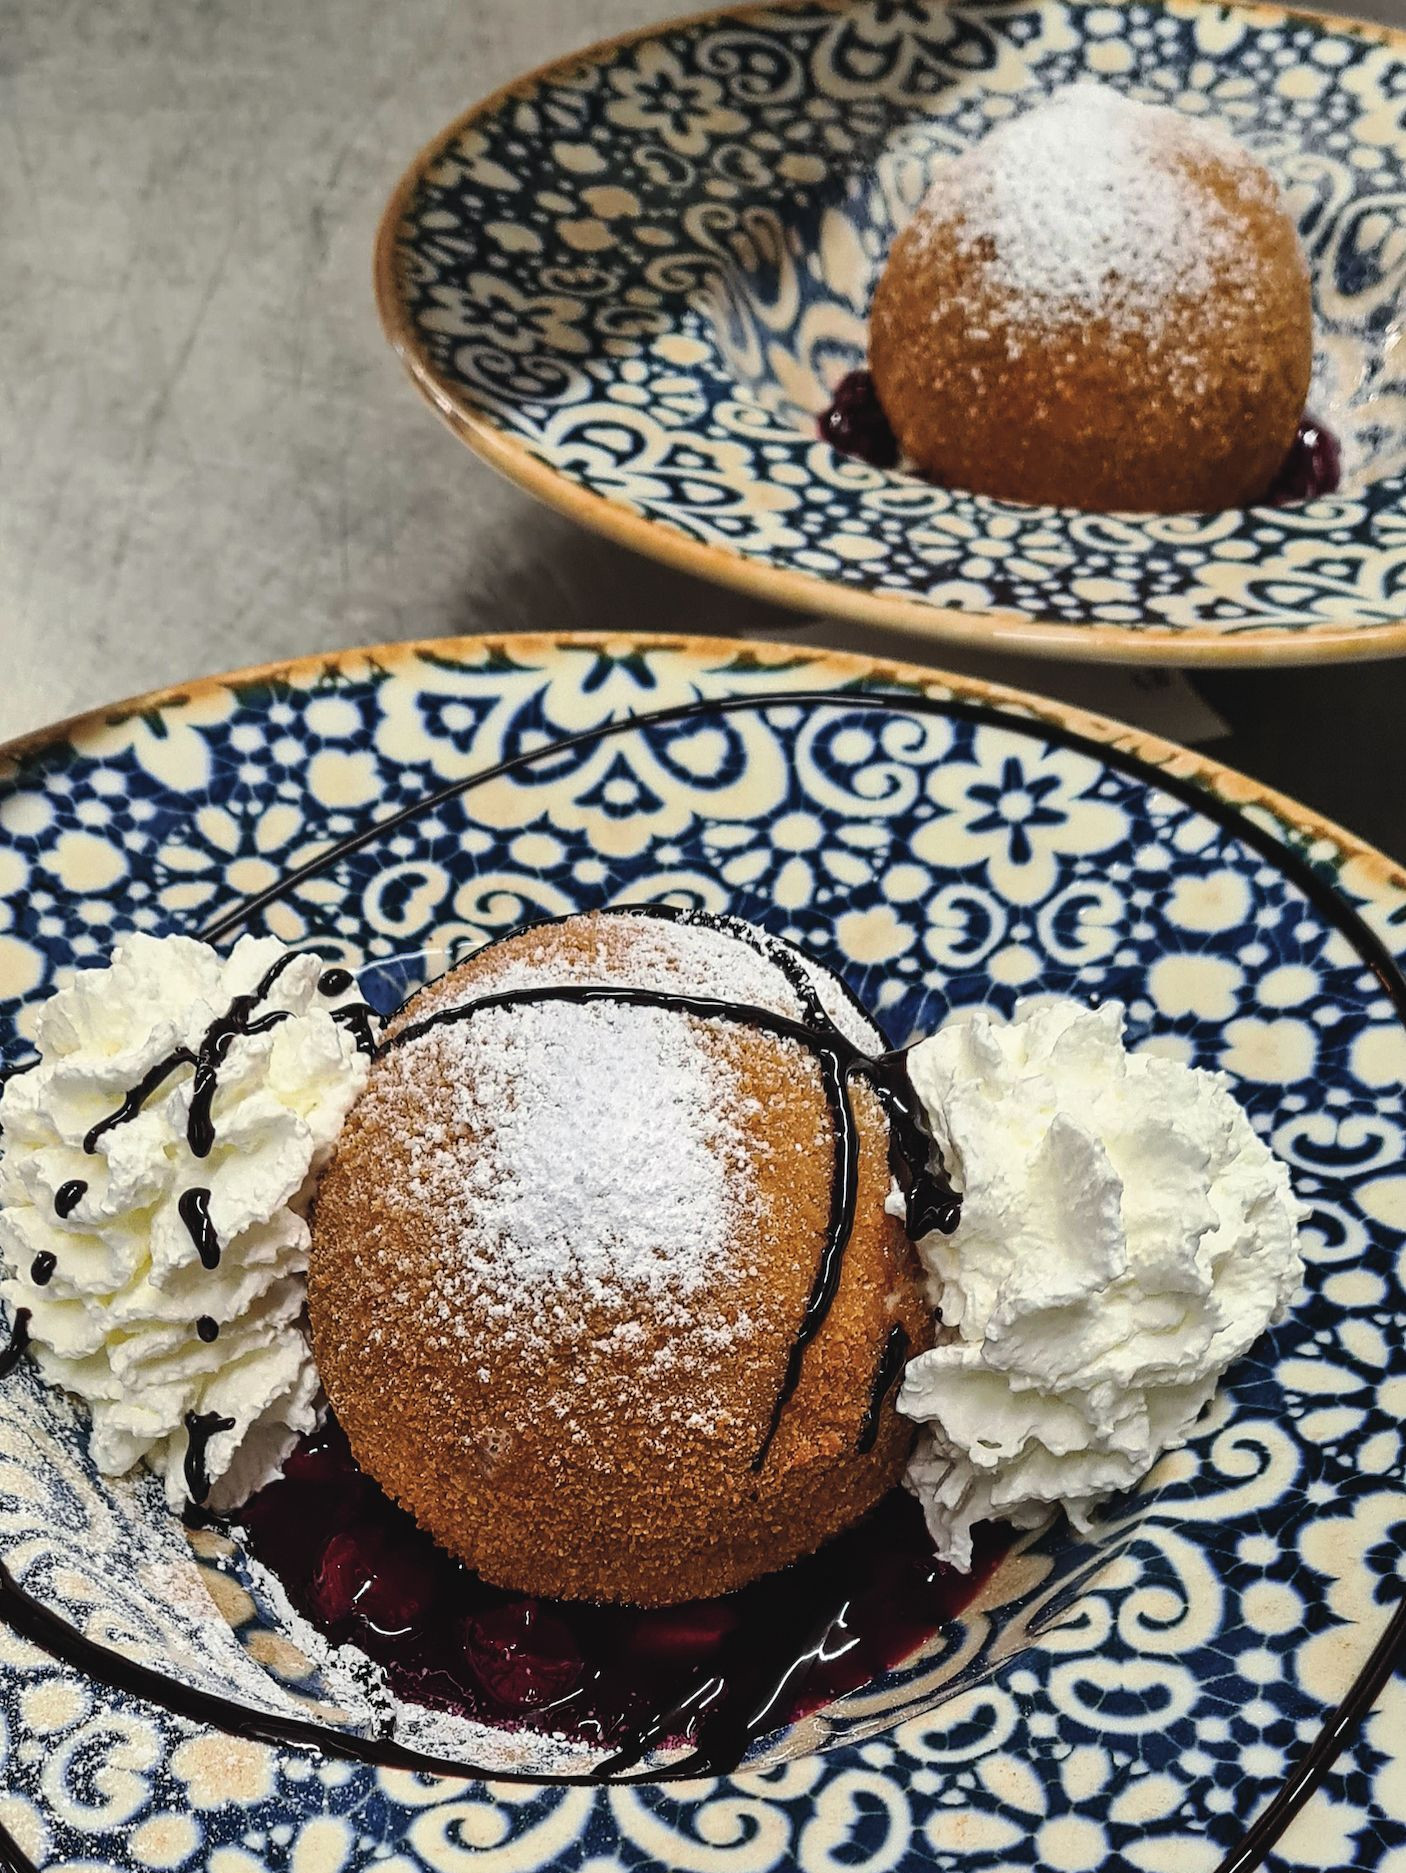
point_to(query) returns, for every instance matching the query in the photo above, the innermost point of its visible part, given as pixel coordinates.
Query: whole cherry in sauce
(1313, 466)
(855, 423)
(364, 1573)
(522, 1654)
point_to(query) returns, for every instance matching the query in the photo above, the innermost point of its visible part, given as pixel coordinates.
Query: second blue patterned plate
(632, 279)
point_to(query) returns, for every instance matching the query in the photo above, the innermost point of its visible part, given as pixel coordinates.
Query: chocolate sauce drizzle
(237, 1021)
(138, 1096)
(13, 1350)
(838, 1058)
(31, 1619)
(194, 1208)
(201, 1426)
(358, 1018)
(68, 1196)
(891, 1362)
(41, 1269)
(745, 1692)
(930, 1200)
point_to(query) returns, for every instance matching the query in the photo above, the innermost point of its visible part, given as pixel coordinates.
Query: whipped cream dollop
(1124, 1236)
(159, 1257)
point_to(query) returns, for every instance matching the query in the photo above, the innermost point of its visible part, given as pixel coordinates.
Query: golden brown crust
(649, 1496)
(1196, 412)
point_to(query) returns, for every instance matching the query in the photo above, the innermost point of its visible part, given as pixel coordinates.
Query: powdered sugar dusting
(1083, 206)
(588, 1156)
(671, 955)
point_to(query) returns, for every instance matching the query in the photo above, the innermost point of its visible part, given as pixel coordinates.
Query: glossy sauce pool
(711, 1673)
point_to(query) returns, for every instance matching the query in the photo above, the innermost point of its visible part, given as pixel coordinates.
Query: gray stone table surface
(208, 455)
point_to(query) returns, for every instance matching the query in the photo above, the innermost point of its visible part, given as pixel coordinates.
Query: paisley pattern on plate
(942, 844)
(632, 280)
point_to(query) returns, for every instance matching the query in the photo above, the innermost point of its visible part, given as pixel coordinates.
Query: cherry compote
(713, 1674)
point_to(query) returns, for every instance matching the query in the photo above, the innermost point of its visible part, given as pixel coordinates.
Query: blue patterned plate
(631, 280)
(1136, 1700)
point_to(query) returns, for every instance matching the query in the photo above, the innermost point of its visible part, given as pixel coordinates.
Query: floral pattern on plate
(942, 844)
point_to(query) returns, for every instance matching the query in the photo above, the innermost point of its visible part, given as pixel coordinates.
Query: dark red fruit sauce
(855, 424)
(712, 1673)
(1312, 467)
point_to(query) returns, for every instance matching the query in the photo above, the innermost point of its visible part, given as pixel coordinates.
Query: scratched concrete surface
(209, 457)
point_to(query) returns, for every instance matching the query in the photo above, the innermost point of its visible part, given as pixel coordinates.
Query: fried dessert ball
(1102, 305)
(562, 1254)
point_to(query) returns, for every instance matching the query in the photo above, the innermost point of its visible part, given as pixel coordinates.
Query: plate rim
(1016, 632)
(1156, 751)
